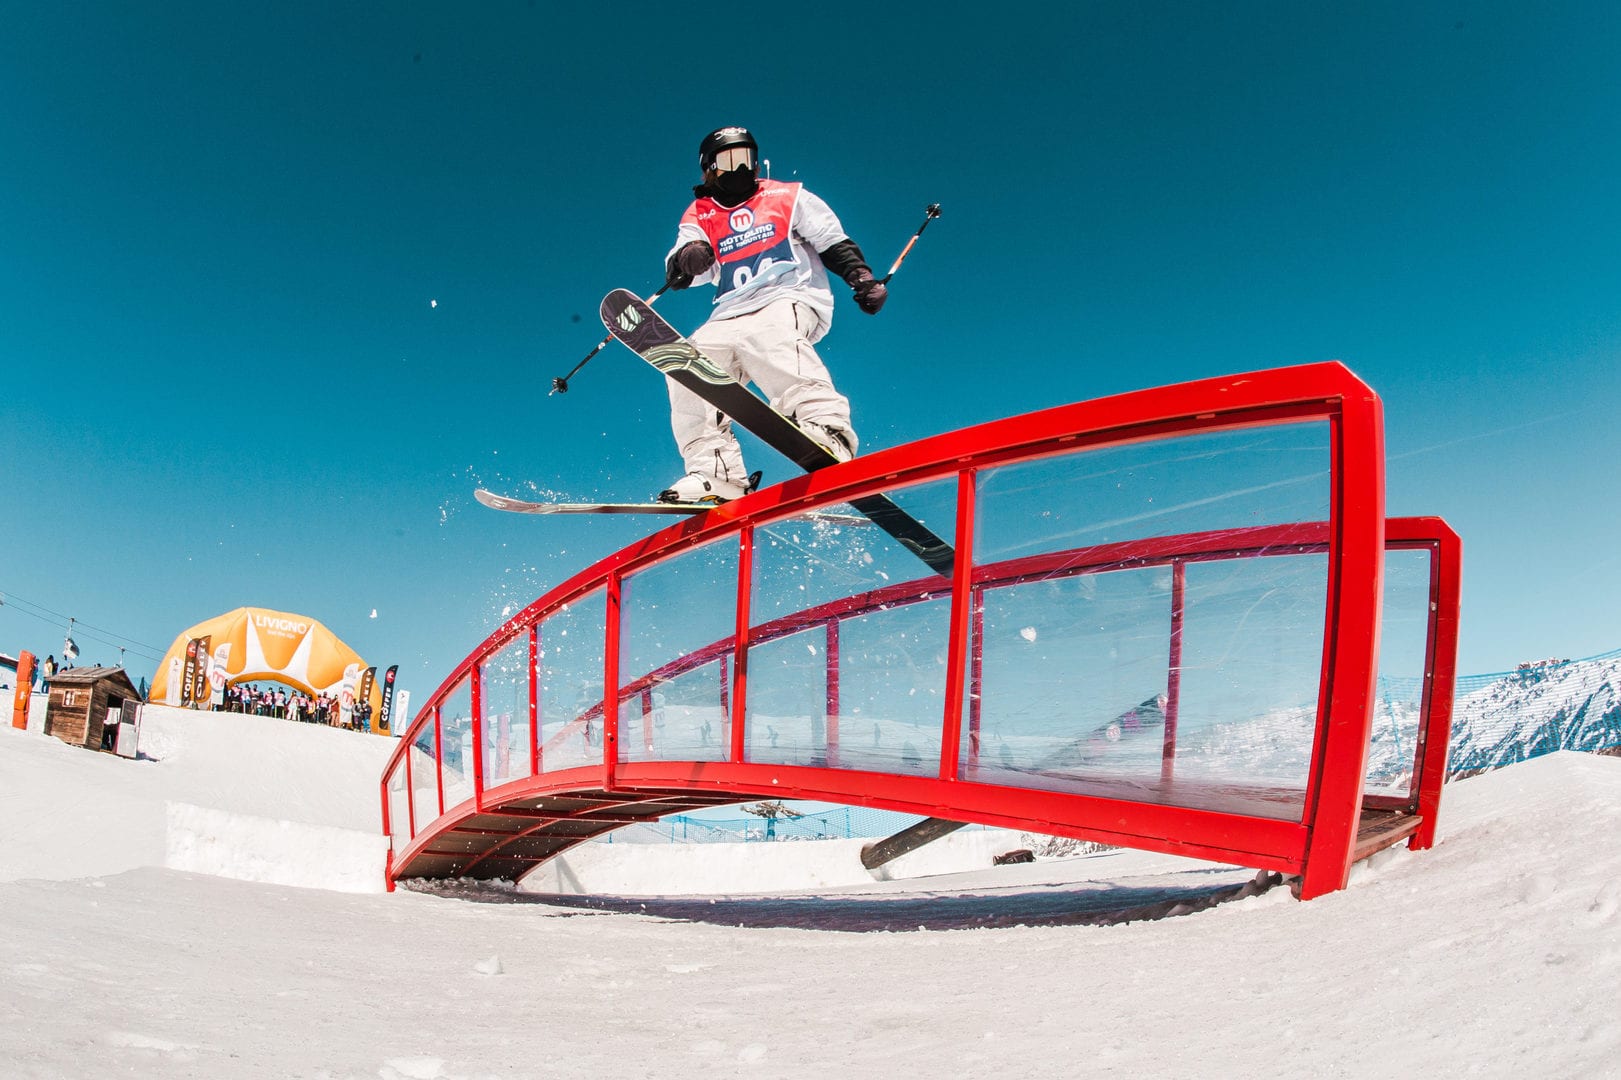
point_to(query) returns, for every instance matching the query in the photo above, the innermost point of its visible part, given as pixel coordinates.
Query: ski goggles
(734, 157)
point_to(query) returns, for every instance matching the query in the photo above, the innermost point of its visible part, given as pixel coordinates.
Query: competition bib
(751, 241)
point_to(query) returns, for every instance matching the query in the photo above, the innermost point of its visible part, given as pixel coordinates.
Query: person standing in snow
(768, 247)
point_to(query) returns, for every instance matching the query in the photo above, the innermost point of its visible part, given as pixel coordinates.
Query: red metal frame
(438, 754)
(534, 700)
(1441, 662)
(482, 836)
(961, 635)
(1173, 681)
(832, 653)
(738, 708)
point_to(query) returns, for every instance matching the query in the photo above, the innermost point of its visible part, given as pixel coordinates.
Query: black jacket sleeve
(845, 260)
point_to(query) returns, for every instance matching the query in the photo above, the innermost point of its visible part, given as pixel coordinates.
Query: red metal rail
(507, 829)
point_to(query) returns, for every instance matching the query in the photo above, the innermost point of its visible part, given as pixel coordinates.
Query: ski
(529, 506)
(647, 334)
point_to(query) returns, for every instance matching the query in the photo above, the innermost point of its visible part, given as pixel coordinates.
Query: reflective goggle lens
(736, 157)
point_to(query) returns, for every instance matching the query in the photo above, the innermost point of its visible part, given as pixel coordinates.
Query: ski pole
(930, 212)
(560, 385)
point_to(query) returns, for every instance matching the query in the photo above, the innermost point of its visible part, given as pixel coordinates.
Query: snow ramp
(1168, 623)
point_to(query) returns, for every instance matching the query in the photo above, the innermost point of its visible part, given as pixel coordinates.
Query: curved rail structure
(1173, 621)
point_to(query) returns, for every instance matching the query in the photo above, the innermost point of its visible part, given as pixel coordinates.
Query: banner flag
(386, 712)
(189, 676)
(368, 679)
(216, 675)
(172, 687)
(402, 706)
(346, 695)
(199, 672)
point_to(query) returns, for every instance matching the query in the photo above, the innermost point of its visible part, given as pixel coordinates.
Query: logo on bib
(741, 219)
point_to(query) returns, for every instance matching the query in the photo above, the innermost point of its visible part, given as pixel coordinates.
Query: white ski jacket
(765, 248)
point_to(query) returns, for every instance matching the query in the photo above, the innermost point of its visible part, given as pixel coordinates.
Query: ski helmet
(725, 138)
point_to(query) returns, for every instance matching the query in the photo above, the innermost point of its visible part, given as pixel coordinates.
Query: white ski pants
(772, 349)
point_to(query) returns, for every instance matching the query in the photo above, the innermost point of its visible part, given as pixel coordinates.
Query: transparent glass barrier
(504, 699)
(456, 745)
(676, 640)
(399, 808)
(1404, 638)
(789, 707)
(892, 676)
(424, 775)
(848, 638)
(1164, 487)
(1252, 658)
(681, 717)
(570, 661)
(1074, 690)
(1073, 676)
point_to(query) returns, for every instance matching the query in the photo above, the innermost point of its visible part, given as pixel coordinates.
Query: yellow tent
(250, 644)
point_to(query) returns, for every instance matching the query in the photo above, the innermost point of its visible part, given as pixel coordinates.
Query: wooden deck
(1379, 829)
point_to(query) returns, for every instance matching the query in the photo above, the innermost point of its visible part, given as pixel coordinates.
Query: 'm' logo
(741, 218)
(629, 319)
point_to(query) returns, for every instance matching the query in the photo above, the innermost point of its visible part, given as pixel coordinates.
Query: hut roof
(89, 676)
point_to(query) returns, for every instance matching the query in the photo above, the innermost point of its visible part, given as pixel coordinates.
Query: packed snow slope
(1496, 954)
(204, 784)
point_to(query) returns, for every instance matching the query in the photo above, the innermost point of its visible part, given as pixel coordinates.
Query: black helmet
(725, 138)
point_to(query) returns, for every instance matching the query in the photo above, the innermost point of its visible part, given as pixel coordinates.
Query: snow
(1497, 953)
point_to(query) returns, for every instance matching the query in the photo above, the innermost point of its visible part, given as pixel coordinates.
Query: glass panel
(681, 717)
(456, 745)
(1404, 638)
(788, 700)
(680, 621)
(571, 644)
(424, 775)
(1073, 678)
(848, 643)
(892, 677)
(504, 699)
(1075, 690)
(1163, 487)
(399, 809)
(1252, 658)
(803, 563)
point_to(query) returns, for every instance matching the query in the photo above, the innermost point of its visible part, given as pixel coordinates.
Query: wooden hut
(81, 701)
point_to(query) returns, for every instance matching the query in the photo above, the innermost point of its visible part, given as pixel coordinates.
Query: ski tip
(623, 312)
(618, 300)
(491, 499)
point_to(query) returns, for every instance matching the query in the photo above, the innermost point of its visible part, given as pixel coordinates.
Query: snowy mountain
(1534, 710)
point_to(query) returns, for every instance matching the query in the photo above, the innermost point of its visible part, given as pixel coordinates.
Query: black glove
(688, 262)
(870, 292)
(846, 260)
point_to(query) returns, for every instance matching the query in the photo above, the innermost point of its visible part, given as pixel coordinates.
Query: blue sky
(225, 380)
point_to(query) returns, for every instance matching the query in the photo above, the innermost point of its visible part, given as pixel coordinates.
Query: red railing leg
(1173, 676)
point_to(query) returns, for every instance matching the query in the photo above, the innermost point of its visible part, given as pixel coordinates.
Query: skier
(768, 247)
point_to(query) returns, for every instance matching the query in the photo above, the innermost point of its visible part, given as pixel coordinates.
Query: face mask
(736, 186)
